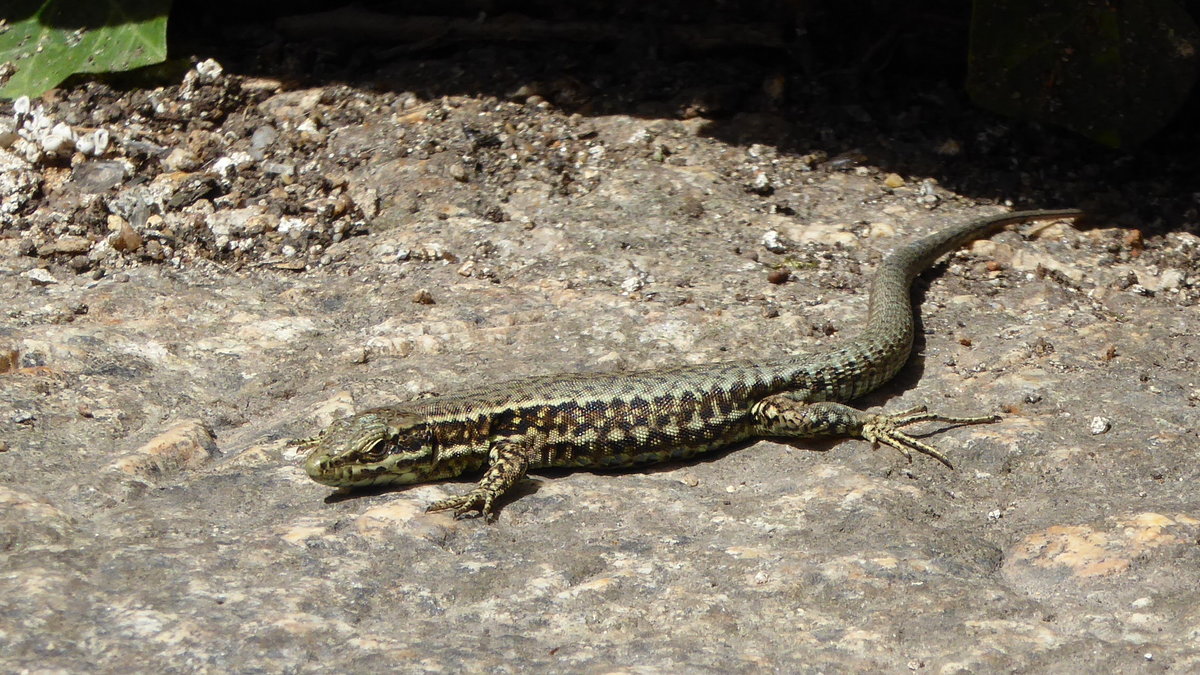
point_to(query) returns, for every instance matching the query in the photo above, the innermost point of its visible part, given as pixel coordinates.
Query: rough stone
(130, 544)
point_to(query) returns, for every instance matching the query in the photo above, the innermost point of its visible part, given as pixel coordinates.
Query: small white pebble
(772, 242)
(208, 70)
(1099, 425)
(224, 166)
(638, 137)
(41, 277)
(294, 227)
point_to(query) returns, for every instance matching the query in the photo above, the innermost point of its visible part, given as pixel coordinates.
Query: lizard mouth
(325, 472)
(364, 468)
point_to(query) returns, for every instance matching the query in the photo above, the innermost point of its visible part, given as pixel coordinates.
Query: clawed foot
(476, 500)
(886, 429)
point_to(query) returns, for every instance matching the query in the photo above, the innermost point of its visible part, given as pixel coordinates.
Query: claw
(885, 429)
(463, 505)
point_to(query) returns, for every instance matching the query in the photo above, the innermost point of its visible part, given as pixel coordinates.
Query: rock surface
(349, 249)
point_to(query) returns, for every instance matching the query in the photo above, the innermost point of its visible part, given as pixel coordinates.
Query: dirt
(194, 274)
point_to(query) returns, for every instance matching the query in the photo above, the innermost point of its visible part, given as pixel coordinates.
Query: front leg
(782, 416)
(507, 463)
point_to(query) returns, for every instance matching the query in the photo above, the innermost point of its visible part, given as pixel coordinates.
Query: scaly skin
(627, 419)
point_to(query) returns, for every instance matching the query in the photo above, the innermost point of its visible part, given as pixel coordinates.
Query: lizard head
(376, 447)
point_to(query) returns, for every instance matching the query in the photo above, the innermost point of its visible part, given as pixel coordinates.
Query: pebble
(96, 177)
(181, 159)
(66, 244)
(279, 168)
(761, 184)
(632, 284)
(225, 167)
(233, 222)
(40, 277)
(296, 228)
(772, 242)
(123, 237)
(258, 224)
(154, 250)
(208, 70)
(1099, 425)
(262, 138)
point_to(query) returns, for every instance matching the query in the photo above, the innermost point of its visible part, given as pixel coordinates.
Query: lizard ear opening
(431, 442)
(409, 433)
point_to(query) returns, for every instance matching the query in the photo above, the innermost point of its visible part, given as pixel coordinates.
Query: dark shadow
(527, 486)
(343, 494)
(82, 15)
(877, 85)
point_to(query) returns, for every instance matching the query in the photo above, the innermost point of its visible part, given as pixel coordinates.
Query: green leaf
(49, 40)
(1113, 71)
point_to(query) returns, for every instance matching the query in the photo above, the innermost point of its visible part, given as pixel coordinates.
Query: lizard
(613, 420)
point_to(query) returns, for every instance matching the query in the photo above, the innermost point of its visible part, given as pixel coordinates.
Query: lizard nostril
(314, 466)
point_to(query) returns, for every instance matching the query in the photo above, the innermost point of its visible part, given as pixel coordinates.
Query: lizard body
(628, 419)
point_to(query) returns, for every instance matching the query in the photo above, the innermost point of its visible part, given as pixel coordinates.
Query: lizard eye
(373, 452)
